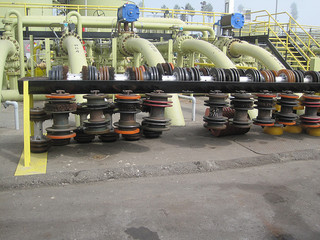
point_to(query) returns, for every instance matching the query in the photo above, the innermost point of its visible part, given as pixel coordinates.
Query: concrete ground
(185, 185)
(273, 202)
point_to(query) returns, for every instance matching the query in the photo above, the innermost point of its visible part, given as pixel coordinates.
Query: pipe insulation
(215, 55)
(262, 55)
(146, 48)
(76, 54)
(7, 50)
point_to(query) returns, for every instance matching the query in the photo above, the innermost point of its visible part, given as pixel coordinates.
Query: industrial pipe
(110, 22)
(16, 111)
(194, 102)
(266, 58)
(210, 51)
(146, 48)
(20, 38)
(79, 21)
(7, 50)
(76, 54)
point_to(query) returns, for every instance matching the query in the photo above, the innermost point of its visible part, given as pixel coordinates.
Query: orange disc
(127, 132)
(118, 96)
(61, 136)
(286, 96)
(172, 67)
(288, 124)
(60, 96)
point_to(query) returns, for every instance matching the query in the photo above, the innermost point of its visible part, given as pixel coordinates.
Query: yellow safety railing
(291, 33)
(208, 18)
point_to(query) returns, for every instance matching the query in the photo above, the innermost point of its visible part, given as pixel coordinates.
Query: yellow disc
(273, 130)
(314, 132)
(293, 129)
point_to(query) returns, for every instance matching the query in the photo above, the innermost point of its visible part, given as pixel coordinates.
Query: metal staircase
(283, 39)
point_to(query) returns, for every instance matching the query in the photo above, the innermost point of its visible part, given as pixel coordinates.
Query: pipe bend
(79, 21)
(262, 55)
(76, 55)
(146, 48)
(210, 51)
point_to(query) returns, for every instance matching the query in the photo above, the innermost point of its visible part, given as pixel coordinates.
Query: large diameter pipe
(7, 50)
(76, 54)
(262, 55)
(213, 53)
(146, 48)
(20, 38)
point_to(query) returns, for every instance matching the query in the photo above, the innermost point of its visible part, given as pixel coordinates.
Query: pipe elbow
(12, 12)
(71, 14)
(11, 103)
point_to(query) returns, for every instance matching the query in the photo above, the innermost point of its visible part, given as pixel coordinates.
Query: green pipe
(7, 50)
(76, 54)
(20, 38)
(266, 58)
(31, 56)
(210, 51)
(109, 22)
(146, 48)
(79, 21)
(14, 95)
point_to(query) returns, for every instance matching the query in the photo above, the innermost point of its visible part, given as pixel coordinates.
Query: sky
(308, 10)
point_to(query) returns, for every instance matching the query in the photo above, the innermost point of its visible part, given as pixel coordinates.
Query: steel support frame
(42, 85)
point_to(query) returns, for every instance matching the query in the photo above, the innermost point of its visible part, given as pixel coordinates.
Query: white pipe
(16, 111)
(194, 101)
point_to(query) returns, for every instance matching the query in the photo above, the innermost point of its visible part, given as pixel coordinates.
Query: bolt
(95, 92)
(127, 92)
(60, 91)
(158, 91)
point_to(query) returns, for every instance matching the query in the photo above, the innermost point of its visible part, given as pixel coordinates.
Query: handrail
(271, 24)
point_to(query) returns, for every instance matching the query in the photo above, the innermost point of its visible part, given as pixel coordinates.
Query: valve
(128, 105)
(38, 142)
(60, 104)
(312, 103)
(111, 136)
(82, 137)
(287, 101)
(265, 105)
(241, 102)
(156, 123)
(96, 104)
(215, 119)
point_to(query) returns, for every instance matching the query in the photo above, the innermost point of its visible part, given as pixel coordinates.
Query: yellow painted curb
(38, 165)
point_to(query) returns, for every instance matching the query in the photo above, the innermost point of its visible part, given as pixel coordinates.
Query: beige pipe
(7, 50)
(146, 48)
(215, 55)
(76, 54)
(79, 21)
(109, 22)
(266, 58)
(20, 38)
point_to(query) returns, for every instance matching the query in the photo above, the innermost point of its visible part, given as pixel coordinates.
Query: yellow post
(26, 123)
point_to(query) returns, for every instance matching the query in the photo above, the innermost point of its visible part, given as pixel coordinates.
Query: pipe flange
(64, 36)
(178, 42)
(15, 43)
(229, 43)
(122, 43)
